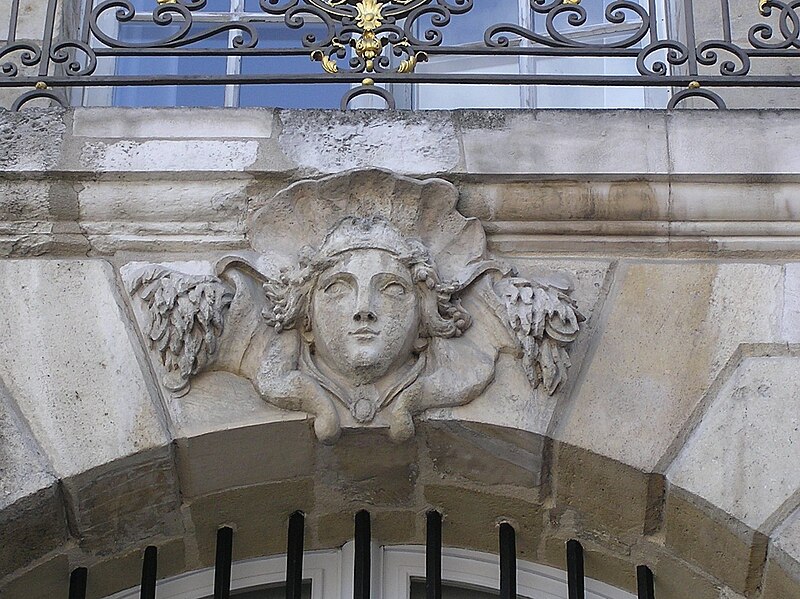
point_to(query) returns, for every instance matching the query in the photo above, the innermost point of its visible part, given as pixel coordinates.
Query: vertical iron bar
(12, 25)
(47, 39)
(575, 580)
(294, 556)
(508, 562)
(222, 567)
(433, 556)
(149, 573)
(77, 583)
(362, 565)
(644, 583)
(691, 41)
(726, 20)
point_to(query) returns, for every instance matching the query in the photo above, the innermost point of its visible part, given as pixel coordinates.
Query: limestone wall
(675, 442)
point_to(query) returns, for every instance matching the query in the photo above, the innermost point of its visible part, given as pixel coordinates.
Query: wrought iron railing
(362, 569)
(373, 46)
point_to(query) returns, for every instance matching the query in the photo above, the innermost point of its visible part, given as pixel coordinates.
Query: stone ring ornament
(366, 300)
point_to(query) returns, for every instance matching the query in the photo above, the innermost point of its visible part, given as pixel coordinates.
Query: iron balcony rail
(362, 567)
(373, 45)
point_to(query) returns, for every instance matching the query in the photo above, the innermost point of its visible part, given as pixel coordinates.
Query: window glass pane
(211, 5)
(277, 35)
(181, 95)
(469, 27)
(252, 6)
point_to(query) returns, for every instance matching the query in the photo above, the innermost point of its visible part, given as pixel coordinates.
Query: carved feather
(544, 320)
(185, 316)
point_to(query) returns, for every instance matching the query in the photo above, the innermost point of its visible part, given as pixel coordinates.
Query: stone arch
(253, 477)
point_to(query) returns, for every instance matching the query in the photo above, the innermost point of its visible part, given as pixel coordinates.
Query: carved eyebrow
(391, 277)
(341, 275)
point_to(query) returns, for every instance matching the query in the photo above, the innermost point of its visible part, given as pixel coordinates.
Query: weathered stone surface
(669, 330)
(555, 203)
(31, 140)
(761, 128)
(778, 584)
(169, 155)
(193, 207)
(471, 519)
(786, 539)
(121, 503)
(157, 123)
(123, 571)
(327, 142)
(67, 358)
(393, 527)
(486, 455)
(23, 468)
(45, 581)
(751, 436)
(600, 563)
(599, 495)
(245, 510)
(273, 452)
(387, 478)
(608, 143)
(31, 528)
(714, 541)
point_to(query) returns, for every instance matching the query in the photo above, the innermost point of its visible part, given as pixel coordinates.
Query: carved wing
(184, 320)
(544, 319)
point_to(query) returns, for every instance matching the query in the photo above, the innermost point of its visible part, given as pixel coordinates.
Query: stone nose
(365, 316)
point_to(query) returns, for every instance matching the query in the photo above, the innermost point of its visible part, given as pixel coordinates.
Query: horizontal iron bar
(448, 79)
(433, 50)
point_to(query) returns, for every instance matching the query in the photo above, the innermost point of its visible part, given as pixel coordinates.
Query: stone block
(393, 527)
(221, 400)
(266, 453)
(162, 208)
(23, 468)
(717, 543)
(786, 544)
(600, 495)
(123, 571)
(472, 519)
(485, 455)
(760, 129)
(676, 579)
(778, 583)
(669, 330)
(31, 528)
(30, 19)
(329, 141)
(750, 435)
(259, 516)
(30, 140)
(159, 155)
(119, 504)
(551, 143)
(44, 581)
(68, 357)
(173, 123)
(600, 563)
(365, 467)
(566, 200)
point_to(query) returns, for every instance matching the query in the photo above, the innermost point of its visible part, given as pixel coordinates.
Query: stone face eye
(337, 288)
(394, 289)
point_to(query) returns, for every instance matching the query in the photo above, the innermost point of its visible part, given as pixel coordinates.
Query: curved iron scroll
(385, 41)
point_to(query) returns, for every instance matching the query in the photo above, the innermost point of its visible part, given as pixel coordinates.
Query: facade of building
(583, 323)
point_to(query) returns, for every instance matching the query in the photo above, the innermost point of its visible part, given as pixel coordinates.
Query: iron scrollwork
(374, 42)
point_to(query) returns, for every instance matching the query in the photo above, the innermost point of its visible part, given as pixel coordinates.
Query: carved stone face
(365, 315)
